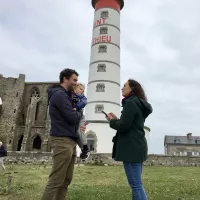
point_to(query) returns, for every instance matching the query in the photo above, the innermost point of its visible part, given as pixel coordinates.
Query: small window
(99, 108)
(14, 110)
(189, 153)
(195, 153)
(103, 30)
(104, 14)
(102, 49)
(101, 68)
(197, 141)
(10, 141)
(17, 94)
(177, 141)
(100, 87)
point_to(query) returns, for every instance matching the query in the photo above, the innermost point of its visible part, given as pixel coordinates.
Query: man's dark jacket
(64, 119)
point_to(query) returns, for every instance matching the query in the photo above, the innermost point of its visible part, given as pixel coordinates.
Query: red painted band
(108, 3)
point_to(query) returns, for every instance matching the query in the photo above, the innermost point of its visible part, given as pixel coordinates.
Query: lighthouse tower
(103, 89)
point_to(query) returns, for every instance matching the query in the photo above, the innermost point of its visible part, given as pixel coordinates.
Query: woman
(130, 145)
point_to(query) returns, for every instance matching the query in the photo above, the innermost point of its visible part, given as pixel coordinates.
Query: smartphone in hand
(105, 113)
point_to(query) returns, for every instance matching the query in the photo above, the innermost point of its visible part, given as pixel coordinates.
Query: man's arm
(63, 104)
(126, 120)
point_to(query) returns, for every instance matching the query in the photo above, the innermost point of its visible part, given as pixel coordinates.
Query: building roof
(181, 139)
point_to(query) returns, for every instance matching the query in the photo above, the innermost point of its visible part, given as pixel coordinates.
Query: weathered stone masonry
(101, 159)
(24, 118)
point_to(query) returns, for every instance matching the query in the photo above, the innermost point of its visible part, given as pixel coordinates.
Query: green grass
(104, 183)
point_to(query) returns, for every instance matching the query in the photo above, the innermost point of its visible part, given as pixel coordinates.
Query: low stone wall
(162, 160)
(20, 157)
(101, 159)
(153, 160)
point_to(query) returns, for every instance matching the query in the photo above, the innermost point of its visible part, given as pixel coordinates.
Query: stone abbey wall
(101, 159)
(11, 93)
(24, 118)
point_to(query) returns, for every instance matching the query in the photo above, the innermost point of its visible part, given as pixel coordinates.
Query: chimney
(189, 135)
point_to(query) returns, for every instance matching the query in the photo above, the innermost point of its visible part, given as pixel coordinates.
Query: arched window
(35, 92)
(90, 142)
(37, 143)
(19, 145)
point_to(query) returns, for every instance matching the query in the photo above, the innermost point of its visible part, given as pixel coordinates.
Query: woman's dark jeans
(134, 176)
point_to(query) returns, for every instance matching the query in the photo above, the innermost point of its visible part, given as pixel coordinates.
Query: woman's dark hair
(137, 89)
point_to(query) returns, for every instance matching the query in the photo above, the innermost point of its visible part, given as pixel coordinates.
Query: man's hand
(113, 115)
(86, 123)
(83, 128)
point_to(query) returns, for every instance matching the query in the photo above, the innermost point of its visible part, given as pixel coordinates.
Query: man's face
(71, 82)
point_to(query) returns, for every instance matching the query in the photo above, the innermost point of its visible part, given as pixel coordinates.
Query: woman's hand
(113, 115)
(109, 117)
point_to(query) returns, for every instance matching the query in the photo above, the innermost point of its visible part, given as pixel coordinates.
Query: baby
(79, 102)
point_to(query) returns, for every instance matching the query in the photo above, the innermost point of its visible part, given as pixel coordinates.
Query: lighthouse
(103, 89)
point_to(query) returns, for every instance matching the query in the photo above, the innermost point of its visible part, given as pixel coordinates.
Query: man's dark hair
(137, 89)
(67, 73)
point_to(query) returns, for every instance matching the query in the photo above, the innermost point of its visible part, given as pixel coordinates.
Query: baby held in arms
(79, 102)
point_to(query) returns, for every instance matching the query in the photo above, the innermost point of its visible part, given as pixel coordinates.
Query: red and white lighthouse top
(115, 4)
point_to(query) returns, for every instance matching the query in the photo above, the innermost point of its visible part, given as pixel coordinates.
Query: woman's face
(126, 90)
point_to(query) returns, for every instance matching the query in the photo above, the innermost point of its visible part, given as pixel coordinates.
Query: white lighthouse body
(103, 89)
(147, 131)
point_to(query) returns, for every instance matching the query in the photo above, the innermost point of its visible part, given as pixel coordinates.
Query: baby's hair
(79, 84)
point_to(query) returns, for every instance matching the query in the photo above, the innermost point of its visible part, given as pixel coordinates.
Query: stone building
(24, 119)
(182, 145)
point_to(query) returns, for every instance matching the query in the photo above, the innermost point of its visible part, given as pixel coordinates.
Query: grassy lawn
(104, 183)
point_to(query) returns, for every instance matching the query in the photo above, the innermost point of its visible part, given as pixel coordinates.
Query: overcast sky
(160, 47)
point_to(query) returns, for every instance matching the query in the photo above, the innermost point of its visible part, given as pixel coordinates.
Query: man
(64, 120)
(3, 153)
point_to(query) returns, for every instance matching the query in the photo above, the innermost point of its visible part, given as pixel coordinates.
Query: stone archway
(92, 141)
(19, 144)
(37, 143)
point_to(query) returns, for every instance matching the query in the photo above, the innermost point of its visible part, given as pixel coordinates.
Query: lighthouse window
(101, 68)
(102, 49)
(99, 108)
(103, 30)
(100, 88)
(104, 14)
